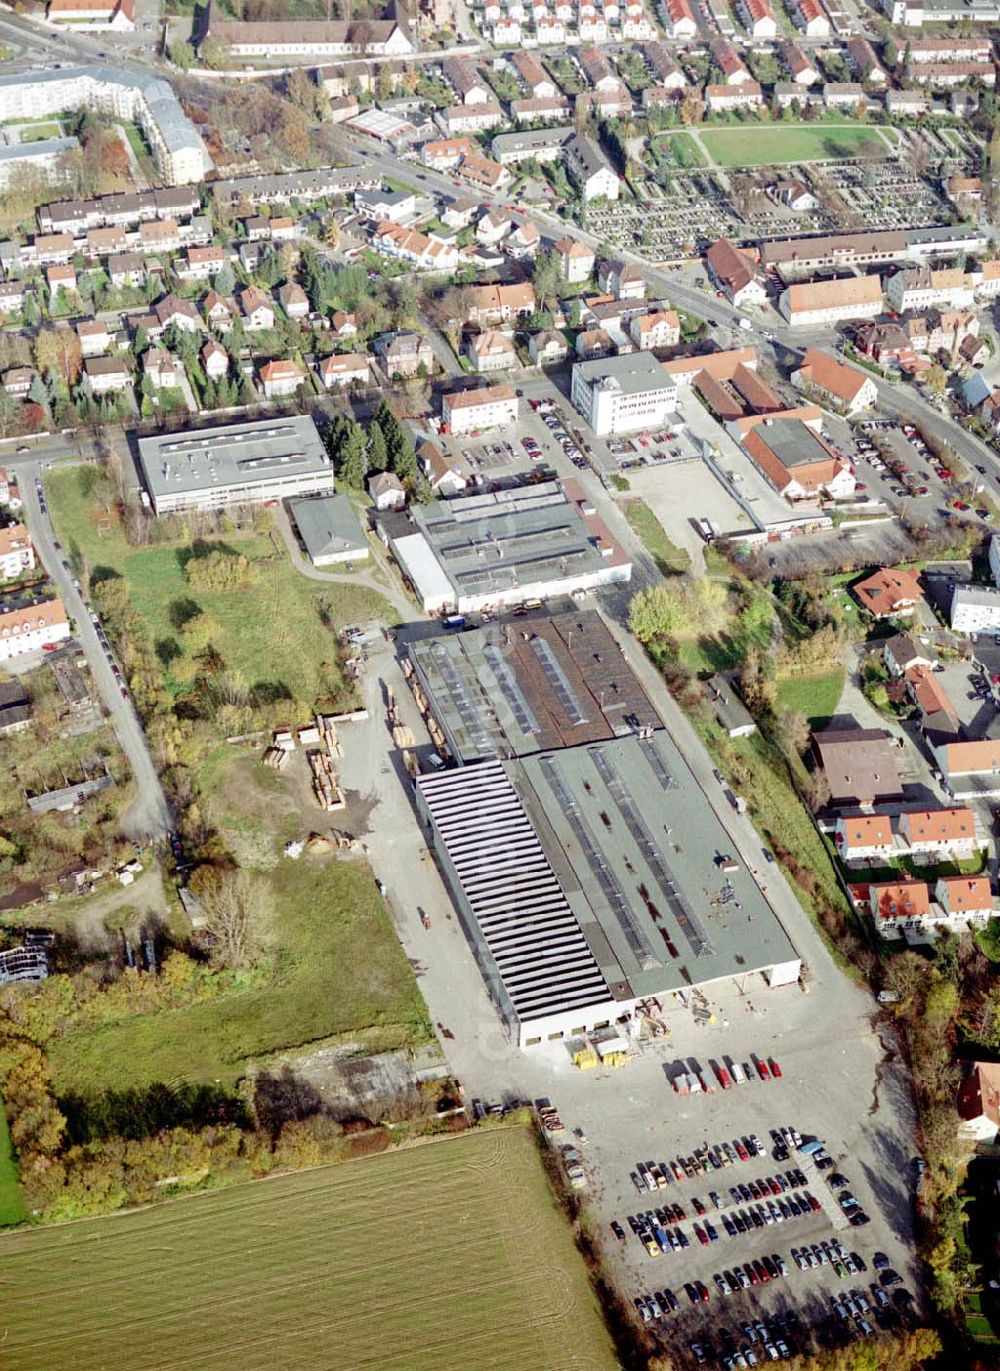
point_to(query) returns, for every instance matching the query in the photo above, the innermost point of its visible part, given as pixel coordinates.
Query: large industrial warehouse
(588, 868)
(210, 468)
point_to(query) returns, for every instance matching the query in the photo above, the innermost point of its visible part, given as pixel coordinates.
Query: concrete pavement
(149, 815)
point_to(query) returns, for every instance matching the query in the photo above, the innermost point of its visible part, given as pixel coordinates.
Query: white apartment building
(468, 411)
(623, 394)
(148, 101)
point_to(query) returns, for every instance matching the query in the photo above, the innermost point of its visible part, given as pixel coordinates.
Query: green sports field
(765, 145)
(451, 1254)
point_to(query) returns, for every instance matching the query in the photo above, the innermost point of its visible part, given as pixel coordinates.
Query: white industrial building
(577, 912)
(623, 394)
(210, 468)
(975, 609)
(148, 101)
(474, 552)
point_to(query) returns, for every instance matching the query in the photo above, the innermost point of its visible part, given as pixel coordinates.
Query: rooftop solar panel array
(543, 959)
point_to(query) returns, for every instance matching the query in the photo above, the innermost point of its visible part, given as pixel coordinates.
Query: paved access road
(149, 815)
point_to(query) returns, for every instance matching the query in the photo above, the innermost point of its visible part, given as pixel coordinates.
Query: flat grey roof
(525, 536)
(975, 595)
(637, 849)
(205, 458)
(42, 147)
(328, 525)
(633, 373)
(530, 683)
(532, 138)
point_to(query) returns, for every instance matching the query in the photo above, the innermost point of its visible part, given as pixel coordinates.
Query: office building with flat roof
(624, 394)
(209, 468)
(483, 551)
(593, 878)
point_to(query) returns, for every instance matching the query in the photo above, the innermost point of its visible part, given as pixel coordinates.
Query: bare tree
(240, 917)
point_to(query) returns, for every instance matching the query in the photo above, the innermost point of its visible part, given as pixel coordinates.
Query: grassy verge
(388, 1260)
(12, 1208)
(339, 971)
(670, 559)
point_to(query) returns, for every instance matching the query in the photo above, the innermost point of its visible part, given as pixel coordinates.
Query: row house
(747, 95)
(925, 51)
(727, 59)
(799, 67)
(470, 118)
(678, 19)
(61, 278)
(843, 95)
(663, 67)
(541, 109)
(77, 216)
(918, 288)
(864, 62)
(787, 93)
(533, 76)
(758, 17)
(12, 296)
(812, 18)
(942, 75)
(101, 242)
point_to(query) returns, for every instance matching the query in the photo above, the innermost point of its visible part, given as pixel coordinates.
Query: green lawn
(772, 144)
(339, 971)
(453, 1253)
(670, 559)
(39, 131)
(278, 634)
(683, 151)
(12, 1208)
(815, 696)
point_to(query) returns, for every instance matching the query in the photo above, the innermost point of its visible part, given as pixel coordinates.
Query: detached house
(281, 378)
(214, 360)
(889, 592)
(257, 310)
(847, 389)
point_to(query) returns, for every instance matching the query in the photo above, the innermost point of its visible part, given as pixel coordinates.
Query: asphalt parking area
(836, 1086)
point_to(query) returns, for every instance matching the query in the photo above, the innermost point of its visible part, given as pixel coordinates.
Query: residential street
(149, 815)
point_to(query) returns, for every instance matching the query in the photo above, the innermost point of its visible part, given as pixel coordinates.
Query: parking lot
(836, 1088)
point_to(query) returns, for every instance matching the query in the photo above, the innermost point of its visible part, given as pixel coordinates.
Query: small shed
(730, 711)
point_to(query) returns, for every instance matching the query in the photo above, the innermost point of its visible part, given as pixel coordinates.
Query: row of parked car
(758, 1343)
(658, 1175)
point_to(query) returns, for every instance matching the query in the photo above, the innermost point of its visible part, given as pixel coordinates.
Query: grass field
(815, 696)
(339, 971)
(771, 145)
(682, 149)
(37, 132)
(12, 1208)
(273, 633)
(450, 1254)
(669, 558)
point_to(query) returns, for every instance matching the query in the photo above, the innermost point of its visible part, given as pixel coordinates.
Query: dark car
(618, 1231)
(890, 1278)
(880, 1261)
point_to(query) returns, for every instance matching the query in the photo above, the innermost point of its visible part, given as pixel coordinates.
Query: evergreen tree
(353, 457)
(378, 455)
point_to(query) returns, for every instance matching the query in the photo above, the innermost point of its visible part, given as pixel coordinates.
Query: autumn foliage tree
(58, 353)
